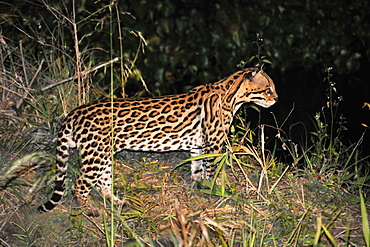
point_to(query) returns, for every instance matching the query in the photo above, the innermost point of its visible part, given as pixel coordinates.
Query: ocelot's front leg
(197, 166)
(203, 168)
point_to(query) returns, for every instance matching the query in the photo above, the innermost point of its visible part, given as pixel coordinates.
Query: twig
(11, 91)
(37, 72)
(29, 84)
(23, 63)
(81, 92)
(82, 73)
(5, 243)
(277, 181)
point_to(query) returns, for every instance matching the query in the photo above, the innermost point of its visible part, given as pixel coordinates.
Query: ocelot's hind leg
(84, 185)
(91, 173)
(82, 191)
(96, 172)
(104, 185)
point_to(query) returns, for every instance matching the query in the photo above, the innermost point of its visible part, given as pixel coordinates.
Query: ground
(165, 210)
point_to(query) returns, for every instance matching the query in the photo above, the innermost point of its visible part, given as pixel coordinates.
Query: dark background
(196, 42)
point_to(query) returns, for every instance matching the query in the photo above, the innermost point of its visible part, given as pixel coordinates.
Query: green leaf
(215, 190)
(365, 221)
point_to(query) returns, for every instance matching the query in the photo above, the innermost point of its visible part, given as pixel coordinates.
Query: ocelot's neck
(225, 102)
(228, 98)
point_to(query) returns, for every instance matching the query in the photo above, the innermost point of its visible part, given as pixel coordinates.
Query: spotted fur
(197, 121)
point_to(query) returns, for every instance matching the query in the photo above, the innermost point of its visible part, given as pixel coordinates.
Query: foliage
(193, 42)
(28, 237)
(219, 35)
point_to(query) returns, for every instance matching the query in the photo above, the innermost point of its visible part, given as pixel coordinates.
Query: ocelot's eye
(269, 91)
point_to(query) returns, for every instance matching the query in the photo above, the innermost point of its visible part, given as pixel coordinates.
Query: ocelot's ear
(259, 66)
(254, 70)
(249, 75)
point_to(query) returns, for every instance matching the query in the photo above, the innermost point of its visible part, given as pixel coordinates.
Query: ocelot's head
(257, 87)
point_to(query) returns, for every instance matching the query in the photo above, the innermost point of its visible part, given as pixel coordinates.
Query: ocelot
(197, 121)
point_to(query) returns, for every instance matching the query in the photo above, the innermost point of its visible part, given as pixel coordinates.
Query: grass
(256, 200)
(293, 209)
(365, 221)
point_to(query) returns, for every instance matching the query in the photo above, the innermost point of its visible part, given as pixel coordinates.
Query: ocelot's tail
(55, 199)
(63, 144)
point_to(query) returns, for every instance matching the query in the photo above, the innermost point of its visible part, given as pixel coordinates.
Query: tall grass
(45, 87)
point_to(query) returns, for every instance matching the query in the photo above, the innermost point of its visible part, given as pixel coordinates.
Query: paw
(92, 212)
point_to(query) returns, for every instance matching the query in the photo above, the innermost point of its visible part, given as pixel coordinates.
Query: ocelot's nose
(276, 98)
